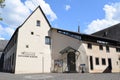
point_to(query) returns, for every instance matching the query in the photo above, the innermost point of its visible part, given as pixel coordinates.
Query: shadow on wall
(108, 70)
(1, 62)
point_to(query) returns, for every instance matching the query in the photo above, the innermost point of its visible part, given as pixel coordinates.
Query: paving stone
(60, 76)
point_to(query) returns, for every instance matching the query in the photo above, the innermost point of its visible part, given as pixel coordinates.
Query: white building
(36, 47)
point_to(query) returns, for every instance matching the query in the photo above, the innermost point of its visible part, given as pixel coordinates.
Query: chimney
(78, 29)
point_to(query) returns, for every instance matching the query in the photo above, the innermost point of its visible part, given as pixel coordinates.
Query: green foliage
(2, 6)
(2, 3)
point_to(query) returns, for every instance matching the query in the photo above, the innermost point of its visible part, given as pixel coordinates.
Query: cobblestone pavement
(60, 76)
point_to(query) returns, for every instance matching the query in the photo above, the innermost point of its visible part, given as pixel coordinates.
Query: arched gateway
(69, 59)
(71, 62)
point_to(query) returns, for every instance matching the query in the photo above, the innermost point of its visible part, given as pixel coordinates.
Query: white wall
(96, 53)
(41, 60)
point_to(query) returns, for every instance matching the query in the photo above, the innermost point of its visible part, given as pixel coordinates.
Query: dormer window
(105, 34)
(38, 23)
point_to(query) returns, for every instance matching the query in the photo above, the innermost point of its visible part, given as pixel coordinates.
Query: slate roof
(112, 32)
(89, 38)
(3, 44)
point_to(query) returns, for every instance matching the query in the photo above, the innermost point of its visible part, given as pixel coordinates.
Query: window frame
(103, 61)
(32, 33)
(105, 34)
(107, 49)
(38, 23)
(117, 49)
(27, 46)
(48, 40)
(89, 46)
(97, 61)
(100, 47)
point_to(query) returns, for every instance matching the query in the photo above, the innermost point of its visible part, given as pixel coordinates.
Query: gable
(37, 14)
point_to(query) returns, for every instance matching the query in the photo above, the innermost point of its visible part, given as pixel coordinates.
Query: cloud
(9, 30)
(2, 38)
(31, 4)
(15, 12)
(67, 7)
(6, 31)
(112, 17)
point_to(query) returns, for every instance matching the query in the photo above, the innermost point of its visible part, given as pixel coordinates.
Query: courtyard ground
(60, 76)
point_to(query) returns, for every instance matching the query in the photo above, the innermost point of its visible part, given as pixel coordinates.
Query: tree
(2, 5)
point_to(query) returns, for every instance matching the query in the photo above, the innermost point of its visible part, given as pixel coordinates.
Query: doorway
(71, 62)
(91, 62)
(109, 64)
(109, 67)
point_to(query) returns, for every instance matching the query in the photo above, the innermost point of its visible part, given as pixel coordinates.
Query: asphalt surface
(60, 76)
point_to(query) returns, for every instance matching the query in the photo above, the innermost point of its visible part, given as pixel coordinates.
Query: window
(100, 47)
(77, 36)
(116, 62)
(105, 34)
(119, 58)
(97, 61)
(38, 22)
(47, 40)
(27, 46)
(32, 33)
(107, 49)
(103, 61)
(117, 49)
(89, 45)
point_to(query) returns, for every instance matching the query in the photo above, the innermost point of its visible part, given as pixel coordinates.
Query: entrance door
(71, 62)
(109, 64)
(91, 62)
(109, 67)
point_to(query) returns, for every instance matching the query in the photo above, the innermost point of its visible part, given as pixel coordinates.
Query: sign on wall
(28, 54)
(58, 63)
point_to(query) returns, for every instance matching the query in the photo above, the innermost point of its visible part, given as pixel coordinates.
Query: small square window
(27, 46)
(119, 58)
(117, 63)
(47, 40)
(32, 33)
(107, 49)
(103, 61)
(117, 49)
(89, 45)
(38, 22)
(97, 61)
(101, 47)
(105, 34)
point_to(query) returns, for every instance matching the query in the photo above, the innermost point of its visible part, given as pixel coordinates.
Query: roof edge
(105, 28)
(32, 14)
(86, 34)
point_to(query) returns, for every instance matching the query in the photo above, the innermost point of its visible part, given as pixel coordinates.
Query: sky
(90, 15)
